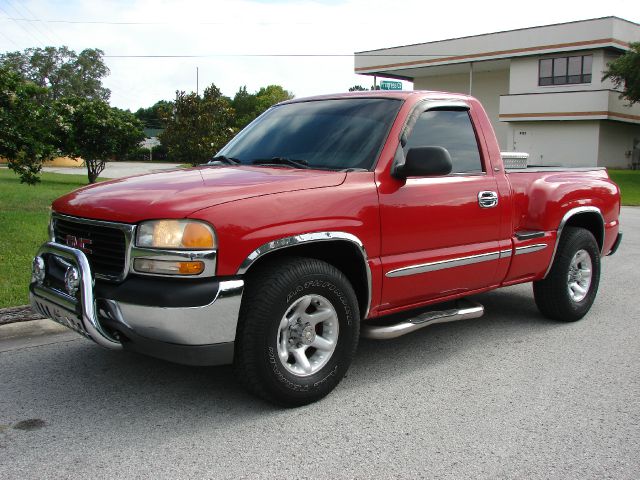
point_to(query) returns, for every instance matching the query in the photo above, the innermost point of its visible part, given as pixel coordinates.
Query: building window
(565, 70)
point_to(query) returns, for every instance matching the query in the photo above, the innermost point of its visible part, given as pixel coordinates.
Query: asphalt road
(510, 395)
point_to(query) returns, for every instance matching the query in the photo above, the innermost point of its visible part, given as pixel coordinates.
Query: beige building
(542, 87)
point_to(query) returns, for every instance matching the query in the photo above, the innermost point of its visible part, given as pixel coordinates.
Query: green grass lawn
(629, 183)
(24, 216)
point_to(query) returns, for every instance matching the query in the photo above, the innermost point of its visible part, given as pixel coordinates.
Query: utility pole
(197, 81)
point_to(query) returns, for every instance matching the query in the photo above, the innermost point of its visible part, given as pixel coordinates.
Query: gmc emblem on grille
(79, 243)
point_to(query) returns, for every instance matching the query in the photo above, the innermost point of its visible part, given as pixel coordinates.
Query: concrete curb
(31, 328)
(23, 313)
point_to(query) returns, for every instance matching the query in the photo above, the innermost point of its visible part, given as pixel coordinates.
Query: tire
(277, 330)
(568, 292)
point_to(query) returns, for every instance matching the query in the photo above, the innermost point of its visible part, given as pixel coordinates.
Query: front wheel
(570, 288)
(298, 330)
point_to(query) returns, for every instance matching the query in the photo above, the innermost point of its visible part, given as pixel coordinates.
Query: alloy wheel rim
(307, 335)
(580, 275)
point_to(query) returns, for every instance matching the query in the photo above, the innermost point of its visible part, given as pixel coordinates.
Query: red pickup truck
(327, 218)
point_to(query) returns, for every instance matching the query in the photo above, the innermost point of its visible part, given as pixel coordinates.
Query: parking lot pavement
(117, 169)
(509, 395)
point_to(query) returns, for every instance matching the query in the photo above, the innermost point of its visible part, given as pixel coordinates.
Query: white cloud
(237, 27)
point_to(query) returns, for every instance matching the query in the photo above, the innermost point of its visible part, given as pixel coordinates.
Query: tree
(270, 95)
(156, 116)
(249, 106)
(625, 73)
(62, 71)
(95, 131)
(245, 105)
(27, 125)
(358, 88)
(199, 126)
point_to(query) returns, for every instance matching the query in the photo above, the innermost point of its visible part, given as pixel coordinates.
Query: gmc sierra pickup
(327, 218)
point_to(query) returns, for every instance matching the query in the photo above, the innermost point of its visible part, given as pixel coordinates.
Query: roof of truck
(399, 95)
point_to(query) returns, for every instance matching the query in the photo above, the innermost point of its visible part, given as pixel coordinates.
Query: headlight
(176, 234)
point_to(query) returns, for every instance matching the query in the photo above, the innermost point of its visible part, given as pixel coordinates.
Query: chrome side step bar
(462, 310)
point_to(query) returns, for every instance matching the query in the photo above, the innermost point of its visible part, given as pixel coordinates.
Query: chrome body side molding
(305, 238)
(530, 248)
(449, 263)
(567, 216)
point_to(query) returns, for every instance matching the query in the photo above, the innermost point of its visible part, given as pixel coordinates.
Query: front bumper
(195, 334)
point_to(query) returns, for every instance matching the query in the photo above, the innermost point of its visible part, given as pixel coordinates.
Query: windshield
(327, 134)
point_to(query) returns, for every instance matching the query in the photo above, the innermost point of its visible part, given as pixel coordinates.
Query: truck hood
(178, 193)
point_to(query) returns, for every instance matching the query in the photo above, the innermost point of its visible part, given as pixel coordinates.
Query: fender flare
(313, 237)
(567, 216)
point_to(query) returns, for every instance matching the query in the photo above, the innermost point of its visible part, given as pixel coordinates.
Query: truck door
(440, 234)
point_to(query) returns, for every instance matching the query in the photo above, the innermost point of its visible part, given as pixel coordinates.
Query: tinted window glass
(546, 68)
(559, 66)
(575, 65)
(328, 134)
(452, 130)
(565, 70)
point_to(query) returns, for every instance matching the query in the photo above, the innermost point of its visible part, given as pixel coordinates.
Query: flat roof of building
(402, 61)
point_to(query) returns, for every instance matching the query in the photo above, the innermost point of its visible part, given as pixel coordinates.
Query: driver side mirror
(425, 162)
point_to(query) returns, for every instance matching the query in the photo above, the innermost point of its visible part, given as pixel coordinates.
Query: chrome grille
(107, 252)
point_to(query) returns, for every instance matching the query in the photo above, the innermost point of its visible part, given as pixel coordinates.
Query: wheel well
(342, 254)
(589, 221)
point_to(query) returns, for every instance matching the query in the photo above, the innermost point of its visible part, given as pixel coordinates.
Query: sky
(305, 46)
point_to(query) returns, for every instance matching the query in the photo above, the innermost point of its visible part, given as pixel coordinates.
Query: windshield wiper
(290, 162)
(223, 160)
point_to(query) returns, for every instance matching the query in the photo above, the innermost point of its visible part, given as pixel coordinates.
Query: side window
(452, 130)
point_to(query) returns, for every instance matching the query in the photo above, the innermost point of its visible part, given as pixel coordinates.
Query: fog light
(72, 280)
(167, 267)
(38, 270)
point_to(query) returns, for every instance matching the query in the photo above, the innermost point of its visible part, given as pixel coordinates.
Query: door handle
(487, 199)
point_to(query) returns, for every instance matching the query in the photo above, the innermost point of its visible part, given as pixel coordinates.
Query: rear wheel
(298, 330)
(570, 288)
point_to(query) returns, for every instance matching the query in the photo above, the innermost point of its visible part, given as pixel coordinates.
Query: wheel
(572, 283)
(298, 331)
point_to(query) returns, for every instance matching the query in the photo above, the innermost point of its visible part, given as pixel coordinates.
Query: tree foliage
(156, 116)
(199, 126)
(27, 125)
(63, 72)
(53, 103)
(245, 105)
(625, 73)
(358, 88)
(93, 130)
(248, 106)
